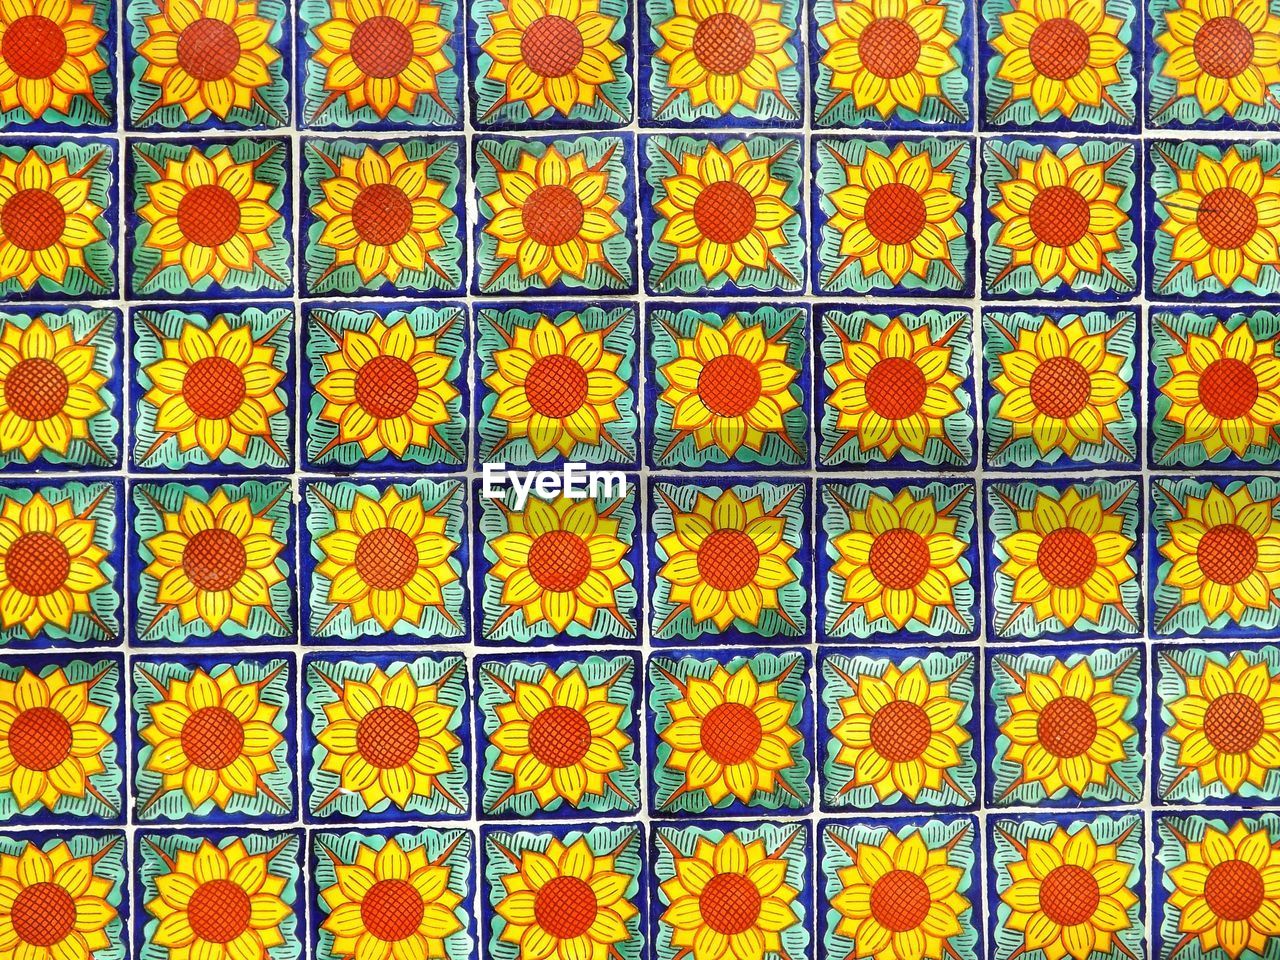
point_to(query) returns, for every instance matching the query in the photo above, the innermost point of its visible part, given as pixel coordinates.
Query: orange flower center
(214, 559)
(208, 49)
(900, 901)
(552, 215)
(382, 47)
(889, 48)
(1067, 557)
(219, 911)
(552, 46)
(556, 386)
(386, 558)
(1059, 48)
(729, 385)
(731, 733)
(559, 736)
(559, 560)
(1233, 723)
(724, 44)
(565, 907)
(212, 738)
(724, 212)
(730, 903)
(209, 215)
(1227, 217)
(899, 559)
(900, 731)
(386, 387)
(895, 213)
(1228, 388)
(37, 564)
(1227, 554)
(387, 737)
(392, 910)
(33, 47)
(382, 214)
(43, 915)
(728, 560)
(1069, 895)
(36, 389)
(33, 219)
(1060, 387)
(1234, 890)
(1067, 727)
(40, 738)
(895, 388)
(1223, 47)
(214, 388)
(1059, 216)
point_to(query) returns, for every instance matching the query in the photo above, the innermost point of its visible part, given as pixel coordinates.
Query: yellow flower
(212, 737)
(49, 389)
(48, 55)
(899, 898)
(1059, 54)
(214, 561)
(888, 54)
(1224, 52)
(900, 559)
(391, 903)
(219, 903)
(724, 212)
(1058, 215)
(387, 738)
(565, 903)
(1066, 729)
(208, 55)
(50, 563)
(894, 388)
(215, 389)
(1224, 389)
(1060, 386)
(1224, 551)
(1227, 724)
(726, 560)
(53, 904)
(552, 54)
(729, 899)
(382, 54)
(724, 52)
(730, 734)
(559, 738)
(382, 214)
(387, 560)
(557, 385)
(46, 219)
(1069, 895)
(1066, 558)
(551, 216)
(560, 562)
(208, 214)
(1224, 891)
(1224, 218)
(729, 387)
(51, 739)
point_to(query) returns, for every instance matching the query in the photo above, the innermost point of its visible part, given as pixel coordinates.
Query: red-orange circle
(382, 47)
(553, 215)
(209, 215)
(37, 564)
(900, 901)
(1223, 47)
(387, 737)
(33, 219)
(725, 212)
(731, 733)
(724, 44)
(392, 910)
(1227, 554)
(382, 214)
(386, 558)
(43, 915)
(728, 560)
(34, 47)
(1069, 895)
(899, 559)
(559, 560)
(1059, 48)
(219, 911)
(36, 389)
(1067, 727)
(1060, 387)
(900, 731)
(889, 48)
(1059, 216)
(386, 387)
(1234, 890)
(1227, 218)
(895, 213)
(556, 386)
(214, 388)
(559, 736)
(565, 907)
(895, 388)
(729, 385)
(214, 559)
(212, 738)
(1233, 723)
(1067, 557)
(1228, 388)
(552, 46)
(208, 49)
(40, 738)
(730, 903)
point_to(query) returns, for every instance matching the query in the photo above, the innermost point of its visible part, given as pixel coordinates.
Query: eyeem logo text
(573, 481)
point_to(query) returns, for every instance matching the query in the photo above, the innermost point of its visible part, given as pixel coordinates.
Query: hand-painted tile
(59, 65)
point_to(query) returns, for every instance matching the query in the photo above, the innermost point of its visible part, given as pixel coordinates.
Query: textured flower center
(731, 733)
(559, 736)
(1067, 557)
(36, 389)
(565, 907)
(37, 564)
(43, 915)
(559, 560)
(728, 560)
(214, 559)
(1233, 723)
(895, 388)
(552, 215)
(730, 903)
(212, 738)
(208, 49)
(214, 388)
(381, 47)
(1059, 216)
(386, 387)
(382, 214)
(895, 213)
(33, 47)
(392, 910)
(1067, 727)
(1234, 890)
(900, 731)
(1228, 218)
(552, 46)
(40, 738)
(386, 558)
(889, 48)
(33, 219)
(900, 901)
(556, 386)
(724, 212)
(1069, 895)
(209, 215)
(1227, 554)
(1223, 47)
(1059, 48)
(1228, 388)
(899, 559)
(729, 385)
(219, 911)
(1060, 387)
(724, 43)
(387, 737)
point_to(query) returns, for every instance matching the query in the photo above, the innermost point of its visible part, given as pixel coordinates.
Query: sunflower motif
(1224, 217)
(1069, 895)
(54, 904)
(1058, 215)
(47, 219)
(211, 737)
(1225, 53)
(214, 561)
(888, 54)
(559, 738)
(219, 903)
(49, 56)
(725, 212)
(565, 902)
(208, 56)
(724, 52)
(392, 902)
(382, 54)
(1224, 553)
(731, 735)
(729, 899)
(1059, 54)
